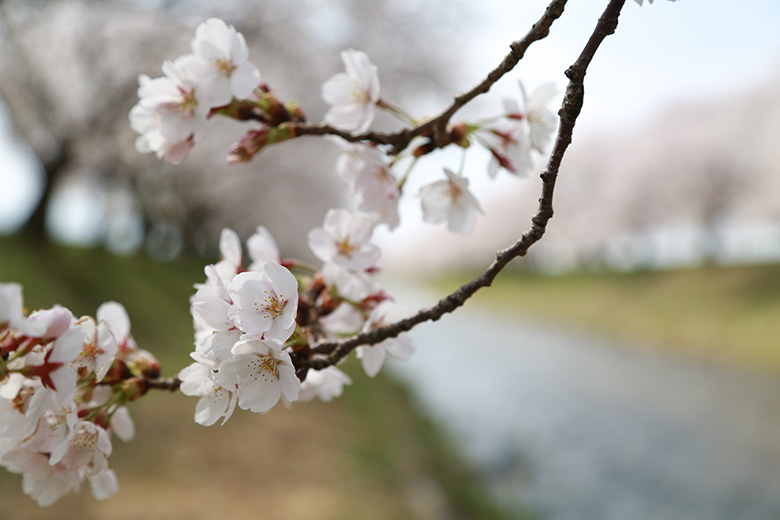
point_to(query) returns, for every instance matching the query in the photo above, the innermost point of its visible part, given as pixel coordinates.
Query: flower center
(225, 66)
(346, 248)
(274, 305)
(188, 102)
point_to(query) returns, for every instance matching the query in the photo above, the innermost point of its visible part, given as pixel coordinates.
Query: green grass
(368, 455)
(729, 315)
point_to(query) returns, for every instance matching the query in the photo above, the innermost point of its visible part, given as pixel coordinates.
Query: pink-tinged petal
(230, 246)
(215, 404)
(107, 348)
(56, 320)
(213, 313)
(218, 345)
(435, 202)
(321, 244)
(372, 359)
(346, 319)
(289, 383)
(104, 484)
(541, 96)
(174, 154)
(511, 107)
(462, 222)
(326, 384)
(338, 90)
(67, 347)
(122, 424)
(217, 91)
(116, 317)
(196, 379)
(239, 48)
(12, 311)
(259, 397)
(262, 248)
(244, 80)
(400, 347)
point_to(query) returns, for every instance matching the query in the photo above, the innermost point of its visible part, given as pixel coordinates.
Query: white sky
(662, 54)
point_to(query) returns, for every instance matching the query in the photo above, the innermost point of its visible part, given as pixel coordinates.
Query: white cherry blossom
(262, 248)
(99, 348)
(147, 122)
(343, 239)
(450, 201)
(366, 170)
(219, 63)
(541, 121)
(86, 449)
(266, 302)
(217, 401)
(54, 370)
(12, 311)
(399, 347)
(353, 94)
(44, 482)
(380, 199)
(326, 384)
(510, 145)
(345, 320)
(232, 256)
(55, 320)
(103, 484)
(170, 113)
(51, 429)
(352, 285)
(210, 305)
(263, 372)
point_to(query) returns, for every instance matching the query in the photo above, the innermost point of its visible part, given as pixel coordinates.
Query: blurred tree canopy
(69, 70)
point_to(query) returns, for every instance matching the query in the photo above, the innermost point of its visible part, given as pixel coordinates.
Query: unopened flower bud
(144, 363)
(459, 134)
(132, 389)
(274, 109)
(248, 146)
(294, 112)
(424, 149)
(118, 371)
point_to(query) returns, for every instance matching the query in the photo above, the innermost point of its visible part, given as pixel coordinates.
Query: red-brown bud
(459, 134)
(424, 149)
(132, 389)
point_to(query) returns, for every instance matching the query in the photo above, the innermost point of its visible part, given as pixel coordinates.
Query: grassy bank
(728, 315)
(368, 455)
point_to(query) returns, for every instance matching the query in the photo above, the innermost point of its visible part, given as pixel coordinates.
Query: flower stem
(400, 114)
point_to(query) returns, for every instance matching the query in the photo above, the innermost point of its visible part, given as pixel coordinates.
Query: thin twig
(171, 384)
(436, 128)
(334, 351)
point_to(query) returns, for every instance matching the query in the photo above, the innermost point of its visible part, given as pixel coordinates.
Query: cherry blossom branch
(171, 384)
(335, 351)
(436, 128)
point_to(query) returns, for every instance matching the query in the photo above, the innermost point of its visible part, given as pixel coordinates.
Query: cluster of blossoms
(366, 169)
(252, 321)
(172, 111)
(216, 78)
(64, 384)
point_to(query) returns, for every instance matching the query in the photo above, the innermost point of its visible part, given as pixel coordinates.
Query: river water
(580, 428)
